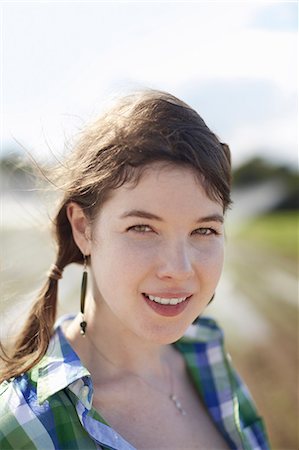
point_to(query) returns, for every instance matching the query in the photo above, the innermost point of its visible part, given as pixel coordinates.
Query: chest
(148, 419)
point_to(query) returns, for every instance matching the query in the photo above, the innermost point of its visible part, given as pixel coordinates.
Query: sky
(234, 62)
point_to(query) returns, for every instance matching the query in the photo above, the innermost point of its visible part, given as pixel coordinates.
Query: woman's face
(156, 255)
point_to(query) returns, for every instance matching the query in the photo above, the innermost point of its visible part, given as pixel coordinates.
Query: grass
(276, 231)
(263, 258)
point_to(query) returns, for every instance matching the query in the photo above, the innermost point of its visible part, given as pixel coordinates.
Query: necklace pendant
(177, 404)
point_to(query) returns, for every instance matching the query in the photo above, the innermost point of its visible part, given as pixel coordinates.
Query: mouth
(166, 301)
(167, 306)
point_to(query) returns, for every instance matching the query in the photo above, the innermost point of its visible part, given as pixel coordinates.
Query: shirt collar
(59, 367)
(203, 331)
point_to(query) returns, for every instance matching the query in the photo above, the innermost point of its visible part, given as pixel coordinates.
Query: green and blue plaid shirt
(50, 407)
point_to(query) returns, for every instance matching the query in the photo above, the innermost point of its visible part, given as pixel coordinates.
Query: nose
(175, 262)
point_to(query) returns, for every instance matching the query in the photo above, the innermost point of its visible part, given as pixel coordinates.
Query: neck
(115, 357)
(117, 354)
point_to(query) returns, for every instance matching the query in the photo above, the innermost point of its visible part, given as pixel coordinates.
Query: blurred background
(236, 64)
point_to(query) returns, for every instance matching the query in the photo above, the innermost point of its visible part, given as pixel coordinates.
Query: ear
(80, 227)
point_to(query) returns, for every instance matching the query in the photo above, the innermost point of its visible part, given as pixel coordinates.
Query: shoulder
(19, 423)
(25, 421)
(206, 337)
(36, 406)
(16, 392)
(223, 391)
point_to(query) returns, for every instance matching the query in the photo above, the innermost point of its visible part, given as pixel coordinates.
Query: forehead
(161, 175)
(165, 188)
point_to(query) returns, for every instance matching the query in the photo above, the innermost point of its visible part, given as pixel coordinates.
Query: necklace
(172, 396)
(177, 404)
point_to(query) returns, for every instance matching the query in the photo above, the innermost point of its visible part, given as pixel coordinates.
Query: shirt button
(84, 391)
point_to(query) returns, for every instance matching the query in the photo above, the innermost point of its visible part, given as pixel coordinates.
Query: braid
(55, 273)
(33, 340)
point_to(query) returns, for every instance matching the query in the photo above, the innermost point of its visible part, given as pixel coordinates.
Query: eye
(205, 231)
(140, 228)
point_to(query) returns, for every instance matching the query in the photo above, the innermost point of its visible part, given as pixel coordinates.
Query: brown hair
(141, 129)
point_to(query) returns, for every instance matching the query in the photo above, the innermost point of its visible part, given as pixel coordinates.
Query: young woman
(145, 192)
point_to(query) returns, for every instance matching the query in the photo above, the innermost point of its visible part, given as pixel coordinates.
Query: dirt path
(261, 295)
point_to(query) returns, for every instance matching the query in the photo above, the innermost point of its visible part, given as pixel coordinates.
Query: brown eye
(140, 228)
(204, 231)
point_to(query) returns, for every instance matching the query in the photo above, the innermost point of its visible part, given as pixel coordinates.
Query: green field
(276, 231)
(262, 261)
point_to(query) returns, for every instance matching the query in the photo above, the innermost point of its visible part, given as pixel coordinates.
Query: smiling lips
(167, 306)
(166, 301)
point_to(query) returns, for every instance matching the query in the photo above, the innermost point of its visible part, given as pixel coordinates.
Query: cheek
(209, 259)
(121, 261)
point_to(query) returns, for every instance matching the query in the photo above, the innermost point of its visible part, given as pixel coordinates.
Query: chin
(165, 334)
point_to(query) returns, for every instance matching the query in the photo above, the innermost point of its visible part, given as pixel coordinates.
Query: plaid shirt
(50, 407)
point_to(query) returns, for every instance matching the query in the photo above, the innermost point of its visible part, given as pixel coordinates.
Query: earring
(83, 323)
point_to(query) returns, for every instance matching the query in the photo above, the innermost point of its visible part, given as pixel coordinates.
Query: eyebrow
(150, 216)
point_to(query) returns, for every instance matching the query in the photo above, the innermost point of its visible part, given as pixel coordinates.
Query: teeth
(166, 301)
